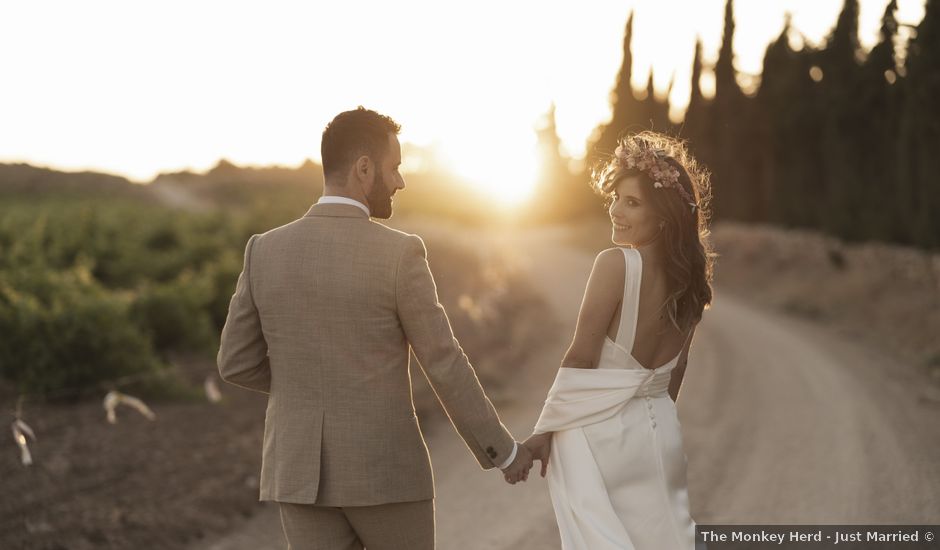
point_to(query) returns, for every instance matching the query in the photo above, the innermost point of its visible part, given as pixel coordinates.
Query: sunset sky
(138, 89)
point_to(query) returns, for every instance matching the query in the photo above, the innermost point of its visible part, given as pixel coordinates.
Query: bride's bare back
(657, 339)
(656, 342)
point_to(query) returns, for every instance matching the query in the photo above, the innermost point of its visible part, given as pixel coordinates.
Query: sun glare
(502, 167)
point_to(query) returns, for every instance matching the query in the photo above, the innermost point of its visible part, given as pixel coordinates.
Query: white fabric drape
(577, 398)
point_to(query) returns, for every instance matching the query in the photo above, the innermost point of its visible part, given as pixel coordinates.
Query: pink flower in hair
(654, 162)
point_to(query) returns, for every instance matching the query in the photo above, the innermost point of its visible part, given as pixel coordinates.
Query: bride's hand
(540, 445)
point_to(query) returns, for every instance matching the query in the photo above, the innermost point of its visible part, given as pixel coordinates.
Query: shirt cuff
(512, 456)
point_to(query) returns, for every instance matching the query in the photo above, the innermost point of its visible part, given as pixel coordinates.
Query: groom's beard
(379, 198)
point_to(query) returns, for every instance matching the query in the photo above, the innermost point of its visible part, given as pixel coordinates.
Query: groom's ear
(363, 167)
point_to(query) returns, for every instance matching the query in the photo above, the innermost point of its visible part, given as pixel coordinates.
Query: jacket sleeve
(443, 361)
(243, 352)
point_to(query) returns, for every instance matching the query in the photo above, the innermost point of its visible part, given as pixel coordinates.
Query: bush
(176, 315)
(68, 335)
(93, 289)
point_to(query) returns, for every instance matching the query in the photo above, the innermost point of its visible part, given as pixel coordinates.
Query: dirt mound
(880, 292)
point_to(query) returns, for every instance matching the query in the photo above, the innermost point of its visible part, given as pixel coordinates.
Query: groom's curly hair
(352, 134)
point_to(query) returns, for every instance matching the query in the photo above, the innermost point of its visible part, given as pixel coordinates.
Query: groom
(321, 320)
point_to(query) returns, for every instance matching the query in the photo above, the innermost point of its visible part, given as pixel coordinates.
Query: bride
(609, 426)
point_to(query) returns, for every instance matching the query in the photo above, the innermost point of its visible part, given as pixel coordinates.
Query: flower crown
(654, 163)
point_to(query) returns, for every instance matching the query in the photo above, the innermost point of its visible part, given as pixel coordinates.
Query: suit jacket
(321, 320)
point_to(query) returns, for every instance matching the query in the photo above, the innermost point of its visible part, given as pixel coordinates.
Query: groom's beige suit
(321, 320)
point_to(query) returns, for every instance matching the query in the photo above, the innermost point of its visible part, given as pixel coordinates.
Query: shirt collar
(333, 199)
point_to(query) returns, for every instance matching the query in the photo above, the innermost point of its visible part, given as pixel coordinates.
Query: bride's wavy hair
(690, 257)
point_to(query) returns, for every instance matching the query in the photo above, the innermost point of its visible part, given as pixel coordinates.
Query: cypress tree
(726, 84)
(654, 113)
(841, 193)
(920, 132)
(776, 116)
(726, 119)
(694, 123)
(787, 107)
(878, 107)
(626, 110)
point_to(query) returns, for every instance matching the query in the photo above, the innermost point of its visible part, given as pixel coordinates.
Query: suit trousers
(392, 526)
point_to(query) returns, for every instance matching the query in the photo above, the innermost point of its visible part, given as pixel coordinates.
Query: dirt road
(783, 421)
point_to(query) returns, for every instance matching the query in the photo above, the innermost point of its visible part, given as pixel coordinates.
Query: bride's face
(632, 215)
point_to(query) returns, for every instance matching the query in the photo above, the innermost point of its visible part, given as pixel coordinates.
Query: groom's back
(325, 290)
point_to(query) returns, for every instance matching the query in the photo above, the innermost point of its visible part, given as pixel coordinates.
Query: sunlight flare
(503, 167)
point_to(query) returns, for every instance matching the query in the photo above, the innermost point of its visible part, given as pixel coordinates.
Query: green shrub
(176, 315)
(93, 289)
(69, 334)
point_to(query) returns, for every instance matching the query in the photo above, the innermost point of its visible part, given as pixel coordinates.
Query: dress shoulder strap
(629, 308)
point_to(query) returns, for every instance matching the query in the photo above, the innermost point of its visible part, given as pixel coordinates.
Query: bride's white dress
(617, 471)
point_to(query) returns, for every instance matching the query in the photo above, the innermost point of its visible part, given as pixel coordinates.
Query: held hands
(537, 447)
(540, 446)
(519, 469)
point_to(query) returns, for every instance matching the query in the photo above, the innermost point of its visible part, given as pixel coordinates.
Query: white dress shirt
(333, 199)
(512, 456)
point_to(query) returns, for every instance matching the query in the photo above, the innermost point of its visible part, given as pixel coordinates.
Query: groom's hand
(519, 469)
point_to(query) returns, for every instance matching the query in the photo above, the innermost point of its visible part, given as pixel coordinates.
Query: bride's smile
(635, 222)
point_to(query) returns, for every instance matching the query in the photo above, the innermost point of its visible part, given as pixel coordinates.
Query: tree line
(834, 138)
